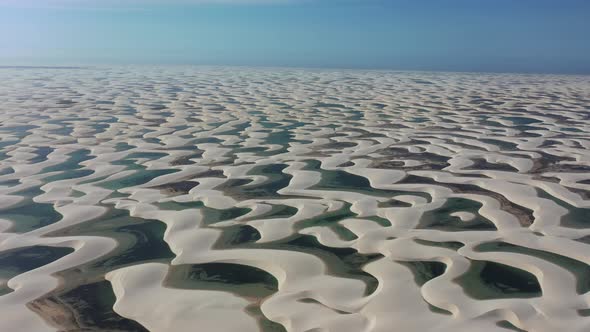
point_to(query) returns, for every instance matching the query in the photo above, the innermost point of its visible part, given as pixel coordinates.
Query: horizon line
(294, 67)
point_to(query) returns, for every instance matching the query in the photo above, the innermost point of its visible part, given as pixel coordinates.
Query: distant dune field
(238, 199)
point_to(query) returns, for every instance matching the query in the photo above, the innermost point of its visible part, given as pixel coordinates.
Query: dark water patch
(236, 130)
(422, 82)
(519, 120)
(363, 132)
(77, 193)
(10, 183)
(508, 326)
(466, 146)
(484, 101)
(577, 268)
(524, 214)
(337, 146)
(207, 140)
(19, 131)
(65, 131)
(424, 271)
(279, 211)
(503, 145)
(329, 105)
(180, 187)
(68, 175)
(276, 180)
(442, 219)
(3, 145)
(281, 137)
(310, 300)
(327, 219)
(584, 239)
(525, 131)
(334, 135)
(17, 261)
(480, 164)
(231, 184)
(264, 323)
(42, 154)
(123, 146)
(88, 308)
(211, 173)
(236, 235)
(138, 178)
(430, 161)
(178, 206)
(28, 192)
(384, 222)
(564, 168)
(393, 203)
(549, 143)
(29, 215)
(343, 233)
(242, 280)
(92, 180)
(139, 241)
(146, 155)
(65, 102)
(387, 164)
(212, 216)
(72, 163)
(575, 218)
(346, 164)
(339, 180)
(255, 149)
(145, 243)
(100, 127)
(490, 280)
(453, 245)
(186, 160)
(66, 126)
(419, 119)
(354, 116)
(341, 262)
(552, 163)
(572, 129)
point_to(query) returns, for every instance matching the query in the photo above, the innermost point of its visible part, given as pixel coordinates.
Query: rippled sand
(216, 199)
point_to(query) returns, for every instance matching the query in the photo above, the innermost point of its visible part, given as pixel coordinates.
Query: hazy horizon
(456, 35)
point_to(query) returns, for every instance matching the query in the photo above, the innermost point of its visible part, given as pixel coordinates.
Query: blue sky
(447, 35)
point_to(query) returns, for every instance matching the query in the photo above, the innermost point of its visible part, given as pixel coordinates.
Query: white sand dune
(346, 200)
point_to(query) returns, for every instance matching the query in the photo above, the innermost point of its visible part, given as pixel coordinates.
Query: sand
(413, 175)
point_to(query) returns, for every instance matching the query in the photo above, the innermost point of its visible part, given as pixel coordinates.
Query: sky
(537, 36)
